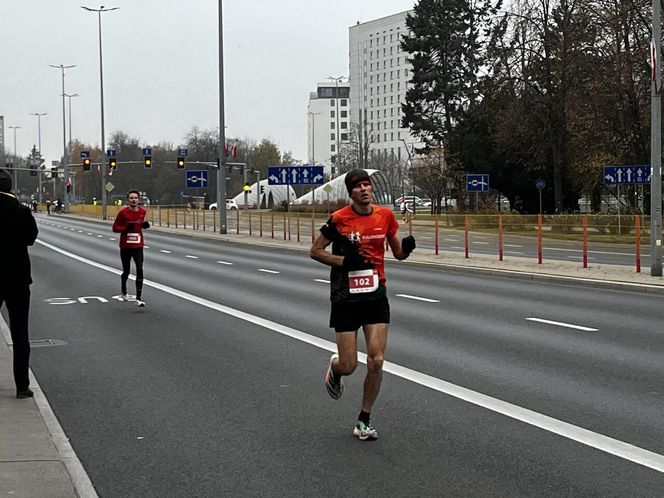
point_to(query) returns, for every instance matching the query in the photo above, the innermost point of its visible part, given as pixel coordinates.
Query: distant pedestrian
(19, 231)
(48, 206)
(130, 223)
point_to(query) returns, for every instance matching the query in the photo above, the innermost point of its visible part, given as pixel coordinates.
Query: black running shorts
(349, 317)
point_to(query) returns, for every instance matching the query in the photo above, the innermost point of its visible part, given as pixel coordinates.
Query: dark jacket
(18, 230)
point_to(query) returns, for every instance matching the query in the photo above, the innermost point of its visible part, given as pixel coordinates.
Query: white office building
(379, 75)
(328, 123)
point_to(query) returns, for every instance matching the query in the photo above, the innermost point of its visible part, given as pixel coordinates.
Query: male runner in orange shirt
(357, 233)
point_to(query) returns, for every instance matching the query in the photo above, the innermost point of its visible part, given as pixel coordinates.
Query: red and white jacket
(131, 237)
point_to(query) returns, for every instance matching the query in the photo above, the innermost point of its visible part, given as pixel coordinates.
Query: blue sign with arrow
(616, 175)
(197, 179)
(295, 175)
(477, 183)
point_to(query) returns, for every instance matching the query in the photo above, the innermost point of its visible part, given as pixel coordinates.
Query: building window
(332, 125)
(331, 114)
(391, 99)
(371, 115)
(332, 148)
(344, 136)
(332, 102)
(344, 125)
(344, 114)
(332, 136)
(343, 103)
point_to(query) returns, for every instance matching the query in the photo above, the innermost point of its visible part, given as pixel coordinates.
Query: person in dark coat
(19, 230)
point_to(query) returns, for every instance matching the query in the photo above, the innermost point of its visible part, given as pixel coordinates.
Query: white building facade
(379, 75)
(328, 123)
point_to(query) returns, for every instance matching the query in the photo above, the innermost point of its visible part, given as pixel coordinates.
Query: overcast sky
(161, 67)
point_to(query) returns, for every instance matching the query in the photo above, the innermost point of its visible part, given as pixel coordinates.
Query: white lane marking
(100, 236)
(579, 258)
(514, 245)
(190, 256)
(480, 243)
(595, 440)
(112, 238)
(146, 247)
(417, 298)
(594, 252)
(321, 281)
(89, 233)
(72, 229)
(80, 231)
(562, 324)
(264, 270)
(165, 251)
(224, 263)
(513, 252)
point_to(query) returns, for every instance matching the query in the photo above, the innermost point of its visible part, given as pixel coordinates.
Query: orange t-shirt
(370, 232)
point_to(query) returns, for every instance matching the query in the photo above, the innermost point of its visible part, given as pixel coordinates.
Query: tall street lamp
(69, 97)
(65, 160)
(656, 145)
(101, 86)
(39, 173)
(221, 173)
(15, 165)
(337, 80)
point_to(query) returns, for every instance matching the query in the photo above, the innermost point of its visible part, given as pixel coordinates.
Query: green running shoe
(364, 432)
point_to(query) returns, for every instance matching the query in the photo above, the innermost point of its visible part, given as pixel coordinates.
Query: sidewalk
(36, 459)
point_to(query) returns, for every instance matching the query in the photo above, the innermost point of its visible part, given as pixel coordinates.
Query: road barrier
(539, 232)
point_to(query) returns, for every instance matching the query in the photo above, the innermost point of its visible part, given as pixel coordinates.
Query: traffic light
(112, 163)
(68, 184)
(147, 161)
(86, 164)
(180, 163)
(247, 188)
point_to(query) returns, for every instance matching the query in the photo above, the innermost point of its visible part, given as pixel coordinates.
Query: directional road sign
(540, 184)
(197, 179)
(182, 152)
(110, 152)
(615, 175)
(477, 183)
(147, 151)
(85, 154)
(295, 175)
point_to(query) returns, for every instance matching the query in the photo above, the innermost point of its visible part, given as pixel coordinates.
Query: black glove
(146, 224)
(355, 261)
(408, 245)
(329, 231)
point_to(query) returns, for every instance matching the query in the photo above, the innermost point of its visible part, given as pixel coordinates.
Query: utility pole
(65, 159)
(656, 145)
(221, 173)
(15, 165)
(39, 167)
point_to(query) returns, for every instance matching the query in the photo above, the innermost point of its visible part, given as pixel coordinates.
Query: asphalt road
(216, 387)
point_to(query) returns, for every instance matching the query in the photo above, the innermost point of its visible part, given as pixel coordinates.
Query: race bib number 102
(362, 281)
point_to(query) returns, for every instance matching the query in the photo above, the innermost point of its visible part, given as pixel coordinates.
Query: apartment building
(328, 123)
(379, 75)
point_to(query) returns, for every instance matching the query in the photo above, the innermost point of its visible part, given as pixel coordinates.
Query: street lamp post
(221, 173)
(69, 97)
(656, 146)
(39, 170)
(101, 87)
(65, 160)
(15, 165)
(337, 80)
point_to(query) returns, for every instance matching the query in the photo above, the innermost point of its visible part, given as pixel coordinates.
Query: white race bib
(362, 281)
(133, 238)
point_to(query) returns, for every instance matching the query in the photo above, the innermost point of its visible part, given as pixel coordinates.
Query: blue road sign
(110, 152)
(477, 183)
(147, 151)
(197, 179)
(295, 175)
(85, 154)
(182, 152)
(540, 184)
(616, 175)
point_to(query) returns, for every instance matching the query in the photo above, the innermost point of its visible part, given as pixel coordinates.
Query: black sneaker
(334, 386)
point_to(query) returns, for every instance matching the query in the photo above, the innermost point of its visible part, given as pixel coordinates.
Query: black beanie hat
(5, 181)
(354, 177)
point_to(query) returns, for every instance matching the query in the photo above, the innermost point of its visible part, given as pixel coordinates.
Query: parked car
(230, 205)
(409, 201)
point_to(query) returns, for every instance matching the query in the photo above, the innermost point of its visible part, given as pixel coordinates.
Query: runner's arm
(120, 224)
(319, 253)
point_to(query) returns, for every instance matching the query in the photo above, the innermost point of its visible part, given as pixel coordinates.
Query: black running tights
(126, 256)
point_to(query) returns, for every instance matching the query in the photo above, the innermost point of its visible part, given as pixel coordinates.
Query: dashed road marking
(264, 270)
(225, 263)
(562, 324)
(417, 298)
(190, 256)
(321, 281)
(165, 251)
